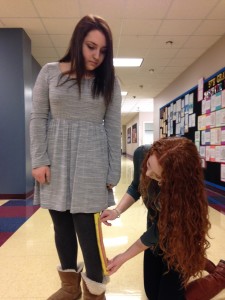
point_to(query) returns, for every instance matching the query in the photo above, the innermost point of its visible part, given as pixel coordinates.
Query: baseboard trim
(16, 196)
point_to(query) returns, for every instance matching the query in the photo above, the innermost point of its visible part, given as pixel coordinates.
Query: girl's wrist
(117, 212)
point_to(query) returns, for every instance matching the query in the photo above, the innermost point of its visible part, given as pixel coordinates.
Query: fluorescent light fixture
(123, 93)
(142, 105)
(127, 62)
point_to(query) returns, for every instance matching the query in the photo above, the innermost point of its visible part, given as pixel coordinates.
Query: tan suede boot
(209, 286)
(93, 290)
(70, 285)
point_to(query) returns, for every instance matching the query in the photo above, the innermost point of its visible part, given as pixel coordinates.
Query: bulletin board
(199, 114)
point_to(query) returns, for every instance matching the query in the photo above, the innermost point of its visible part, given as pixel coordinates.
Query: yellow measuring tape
(101, 247)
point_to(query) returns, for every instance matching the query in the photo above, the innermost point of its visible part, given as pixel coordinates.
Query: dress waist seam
(72, 121)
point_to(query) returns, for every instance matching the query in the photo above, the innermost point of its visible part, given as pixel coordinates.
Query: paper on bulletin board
(191, 103)
(192, 118)
(202, 151)
(223, 98)
(197, 136)
(203, 106)
(221, 150)
(222, 135)
(213, 119)
(215, 136)
(222, 172)
(210, 154)
(200, 89)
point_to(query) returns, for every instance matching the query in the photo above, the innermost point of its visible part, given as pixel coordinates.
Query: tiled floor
(13, 214)
(28, 257)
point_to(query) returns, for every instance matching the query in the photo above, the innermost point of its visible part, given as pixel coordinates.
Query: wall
(35, 68)
(144, 117)
(123, 140)
(209, 63)
(139, 119)
(16, 83)
(130, 148)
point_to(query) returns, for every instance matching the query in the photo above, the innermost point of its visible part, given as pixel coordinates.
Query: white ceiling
(140, 28)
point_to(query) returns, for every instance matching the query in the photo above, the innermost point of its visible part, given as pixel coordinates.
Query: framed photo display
(129, 135)
(134, 133)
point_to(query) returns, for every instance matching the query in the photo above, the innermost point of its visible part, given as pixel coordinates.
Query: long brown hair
(104, 75)
(183, 220)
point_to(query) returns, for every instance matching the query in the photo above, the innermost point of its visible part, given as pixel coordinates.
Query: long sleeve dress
(79, 138)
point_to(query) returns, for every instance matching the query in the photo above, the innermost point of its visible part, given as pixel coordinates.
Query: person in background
(75, 131)
(175, 242)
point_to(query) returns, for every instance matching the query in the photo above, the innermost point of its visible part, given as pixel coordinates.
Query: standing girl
(75, 148)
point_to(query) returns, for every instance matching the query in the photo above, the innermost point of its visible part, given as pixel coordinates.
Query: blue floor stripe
(19, 203)
(11, 224)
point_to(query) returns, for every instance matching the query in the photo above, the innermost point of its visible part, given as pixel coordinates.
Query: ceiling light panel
(127, 62)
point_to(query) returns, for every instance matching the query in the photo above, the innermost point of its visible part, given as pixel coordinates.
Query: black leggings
(158, 284)
(67, 228)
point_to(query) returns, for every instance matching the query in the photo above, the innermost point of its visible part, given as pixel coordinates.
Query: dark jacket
(150, 236)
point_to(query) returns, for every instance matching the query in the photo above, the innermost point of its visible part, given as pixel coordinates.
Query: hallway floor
(28, 257)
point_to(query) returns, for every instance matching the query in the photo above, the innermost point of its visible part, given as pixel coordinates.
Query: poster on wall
(129, 135)
(222, 172)
(200, 89)
(134, 133)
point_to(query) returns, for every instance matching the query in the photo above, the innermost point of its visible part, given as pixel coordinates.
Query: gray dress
(79, 139)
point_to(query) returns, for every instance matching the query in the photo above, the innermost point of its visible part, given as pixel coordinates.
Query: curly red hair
(183, 222)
